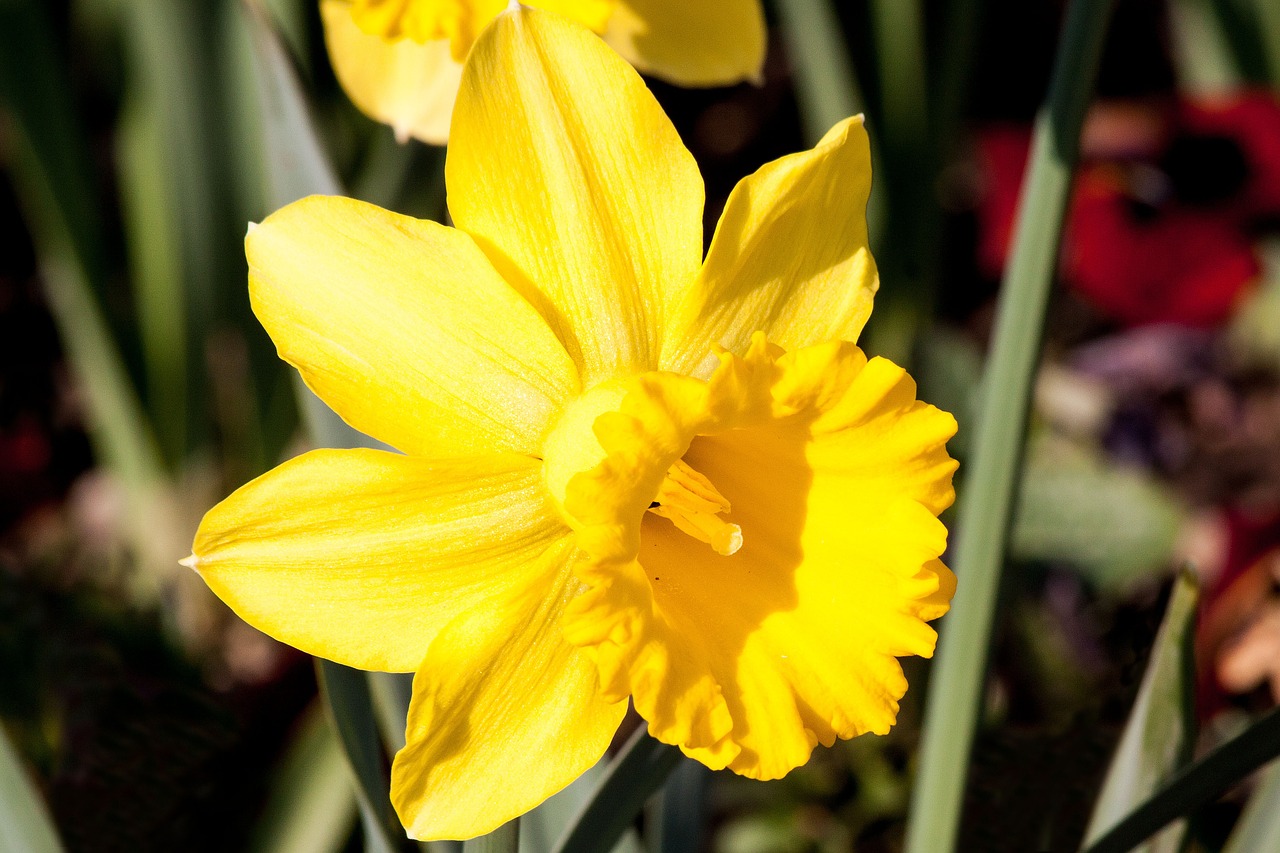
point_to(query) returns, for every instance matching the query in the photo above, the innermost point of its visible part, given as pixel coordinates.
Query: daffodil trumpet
(625, 473)
(400, 61)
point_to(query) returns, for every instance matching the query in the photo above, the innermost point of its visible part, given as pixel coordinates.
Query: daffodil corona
(625, 473)
(400, 60)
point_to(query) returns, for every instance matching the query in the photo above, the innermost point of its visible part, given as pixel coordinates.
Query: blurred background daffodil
(400, 60)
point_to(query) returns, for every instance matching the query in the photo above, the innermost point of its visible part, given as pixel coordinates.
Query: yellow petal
(691, 43)
(362, 556)
(789, 257)
(408, 85)
(575, 183)
(504, 714)
(747, 657)
(404, 328)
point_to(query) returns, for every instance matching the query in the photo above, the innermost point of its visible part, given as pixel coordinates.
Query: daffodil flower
(625, 473)
(400, 60)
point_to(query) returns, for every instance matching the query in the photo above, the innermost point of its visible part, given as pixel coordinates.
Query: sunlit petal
(504, 714)
(405, 329)
(575, 183)
(789, 257)
(362, 556)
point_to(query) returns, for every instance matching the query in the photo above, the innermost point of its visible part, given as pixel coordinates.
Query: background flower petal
(789, 257)
(404, 328)
(691, 44)
(505, 713)
(575, 183)
(406, 84)
(362, 556)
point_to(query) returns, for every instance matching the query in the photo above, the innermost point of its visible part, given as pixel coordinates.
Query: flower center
(572, 447)
(621, 444)
(694, 506)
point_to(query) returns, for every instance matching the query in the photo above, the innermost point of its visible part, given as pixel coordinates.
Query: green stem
(504, 839)
(636, 772)
(951, 82)
(898, 27)
(826, 83)
(1197, 785)
(350, 709)
(956, 689)
(907, 171)
(680, 814)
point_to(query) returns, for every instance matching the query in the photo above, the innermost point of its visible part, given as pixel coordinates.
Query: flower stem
(955, 692)
(504, 839)
(637, 771)
(826, 83)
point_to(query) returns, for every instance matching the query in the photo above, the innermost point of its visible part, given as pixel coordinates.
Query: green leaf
(1201, 51)
(298, 164)
(540, 828)
(954, 701)
(311, 807)
(154, 240)
(826, 82)
(679, 814)
(1160, 733)
(632, 776)
(1268, 12)
(504, 839)
(1258, 830)
(1116, 525)
(391, 692)
(170, 76)
(350, 706)
(1196, 785)
(53, 178)
(25, 826)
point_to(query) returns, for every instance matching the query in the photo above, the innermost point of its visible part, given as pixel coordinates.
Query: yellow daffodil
(625, 472)
(400, 60)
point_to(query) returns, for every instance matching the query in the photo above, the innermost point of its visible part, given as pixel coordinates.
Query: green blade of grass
(1160, 732)
(1196, 785)
(25, 825)
(167, 64)
(953, 706)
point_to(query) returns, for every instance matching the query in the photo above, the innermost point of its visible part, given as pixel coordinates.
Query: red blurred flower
(1165, 206)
